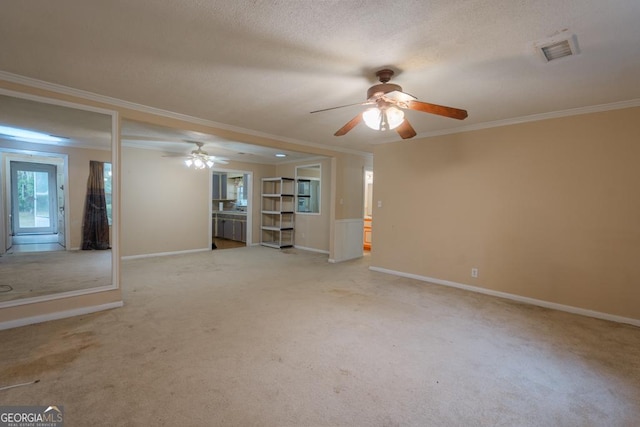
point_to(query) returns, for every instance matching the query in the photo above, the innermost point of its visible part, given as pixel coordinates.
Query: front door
(34, 205)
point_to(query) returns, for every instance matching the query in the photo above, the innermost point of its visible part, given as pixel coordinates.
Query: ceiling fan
(388, 101)
(198, 158)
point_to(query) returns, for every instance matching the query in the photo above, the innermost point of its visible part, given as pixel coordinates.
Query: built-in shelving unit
(277, 212)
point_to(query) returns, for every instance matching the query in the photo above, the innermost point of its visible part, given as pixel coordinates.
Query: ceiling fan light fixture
(199, 162)
(387, 114)
(395, 117)
(383, 118)
(200, 159)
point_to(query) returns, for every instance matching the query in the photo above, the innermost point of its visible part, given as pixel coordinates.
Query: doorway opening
(368, 209)
(36, 199)
(231, 215)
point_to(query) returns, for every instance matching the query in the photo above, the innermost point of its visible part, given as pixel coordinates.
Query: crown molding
(90, 96)
(535, 117)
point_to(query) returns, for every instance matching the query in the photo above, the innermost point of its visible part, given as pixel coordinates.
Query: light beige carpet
(257, 336)
(33, 274)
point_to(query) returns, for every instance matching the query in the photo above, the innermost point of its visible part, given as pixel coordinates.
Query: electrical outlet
(474, 272)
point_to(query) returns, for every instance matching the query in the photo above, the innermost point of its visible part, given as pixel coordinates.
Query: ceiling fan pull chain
(384, 122)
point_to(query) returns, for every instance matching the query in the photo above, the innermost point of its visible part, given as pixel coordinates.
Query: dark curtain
(95, 226)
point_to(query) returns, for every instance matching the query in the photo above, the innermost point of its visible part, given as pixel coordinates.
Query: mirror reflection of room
(308, 189)
(55, 199)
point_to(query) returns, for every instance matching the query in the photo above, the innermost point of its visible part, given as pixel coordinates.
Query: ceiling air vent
(557, 47)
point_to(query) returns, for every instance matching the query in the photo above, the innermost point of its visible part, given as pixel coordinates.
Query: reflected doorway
(368, 210)
(37, 207)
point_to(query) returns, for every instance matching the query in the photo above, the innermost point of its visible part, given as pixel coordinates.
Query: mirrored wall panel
(308, 194)
(55, 199)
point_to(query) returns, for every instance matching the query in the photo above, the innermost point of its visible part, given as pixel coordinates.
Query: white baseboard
(321, 251)
(334, 261)
(59, 315)
(190, 251)
(513, 297)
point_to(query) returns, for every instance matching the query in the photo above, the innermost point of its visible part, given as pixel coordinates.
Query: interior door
(33, 198)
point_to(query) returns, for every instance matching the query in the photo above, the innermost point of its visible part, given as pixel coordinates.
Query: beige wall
(546, 210)
(164, 205)
(349, 188)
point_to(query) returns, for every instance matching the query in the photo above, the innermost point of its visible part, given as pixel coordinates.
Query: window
(308, 189)
(107, 188)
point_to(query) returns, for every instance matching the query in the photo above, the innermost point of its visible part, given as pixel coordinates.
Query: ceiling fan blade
(399, 96)
(176, 155)
(342, 106)
(440, 110)
(350, 125)
(405, 130)
(218, 160)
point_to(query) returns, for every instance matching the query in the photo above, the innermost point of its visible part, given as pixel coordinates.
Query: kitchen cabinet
(219, 226)
(227, 227)
(219, 188)
(240, 230)
(230, 226)
(367, 234)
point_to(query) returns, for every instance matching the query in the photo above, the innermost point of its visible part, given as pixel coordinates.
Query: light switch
(379, 203)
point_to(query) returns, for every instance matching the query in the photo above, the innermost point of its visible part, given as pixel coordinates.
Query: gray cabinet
(227, 226)
(219, 226)
(240, 230)
(230, 226)
(219, 189)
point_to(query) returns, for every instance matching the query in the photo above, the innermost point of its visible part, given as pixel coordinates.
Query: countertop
(236, 213)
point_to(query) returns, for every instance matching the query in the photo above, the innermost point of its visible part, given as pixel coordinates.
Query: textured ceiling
(264, 65)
